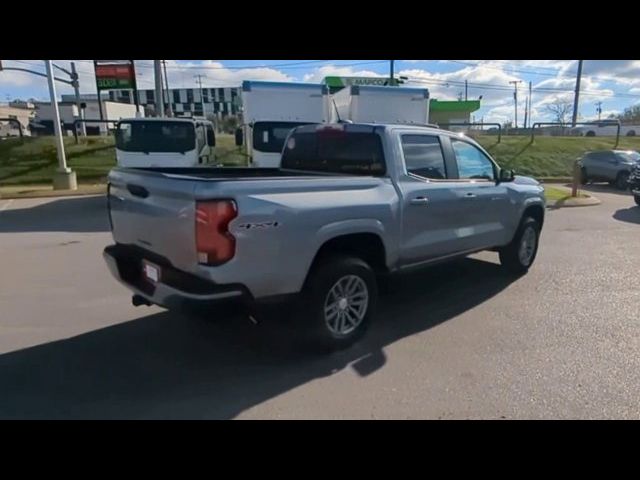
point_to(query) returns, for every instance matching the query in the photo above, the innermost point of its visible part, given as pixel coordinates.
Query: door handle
(137, 190)
(469, 196)
(419, 201)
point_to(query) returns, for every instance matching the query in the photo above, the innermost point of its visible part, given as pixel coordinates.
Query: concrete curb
(39, 191)
(587, 201)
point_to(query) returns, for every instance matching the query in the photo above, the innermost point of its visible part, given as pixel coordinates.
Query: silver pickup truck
(350, 203)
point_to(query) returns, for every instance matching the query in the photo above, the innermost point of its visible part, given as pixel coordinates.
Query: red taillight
(214, 244)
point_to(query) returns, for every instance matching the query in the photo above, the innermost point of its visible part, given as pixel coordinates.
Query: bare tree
(560, 110)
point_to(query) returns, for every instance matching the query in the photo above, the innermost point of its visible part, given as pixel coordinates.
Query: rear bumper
(176, 289)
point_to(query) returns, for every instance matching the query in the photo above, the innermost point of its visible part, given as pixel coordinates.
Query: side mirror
(239, 137)
(211, 137)
(506, 175)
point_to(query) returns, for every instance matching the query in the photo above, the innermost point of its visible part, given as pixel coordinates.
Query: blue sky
(616, 83)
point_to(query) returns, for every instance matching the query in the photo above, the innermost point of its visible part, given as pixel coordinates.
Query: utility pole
(391, 82)
(199, 78)
(515, 100)
(466, 91)
(599, 109)
(526, 111)
(95, 68)
(158, 78)
(529, 105)
(136, 99)
(166, 85)
(577, 96)
(64, 178)
(76, 89)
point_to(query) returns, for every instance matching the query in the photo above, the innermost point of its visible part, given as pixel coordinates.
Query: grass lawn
(555, 194)
(548, 156)
(34, 160)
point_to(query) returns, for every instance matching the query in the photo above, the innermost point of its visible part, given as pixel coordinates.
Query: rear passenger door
(610, 165)
(486, 212)
(430, 213)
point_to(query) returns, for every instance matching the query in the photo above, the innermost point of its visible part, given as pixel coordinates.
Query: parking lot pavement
(462, 340)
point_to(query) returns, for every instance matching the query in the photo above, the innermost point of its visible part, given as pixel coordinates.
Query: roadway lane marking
(6, 205)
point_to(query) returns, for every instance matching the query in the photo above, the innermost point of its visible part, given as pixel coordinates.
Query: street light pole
(64, 178)
(515, 99)
(159, 97)
(199, 78)
(166, 84)
(76, 89)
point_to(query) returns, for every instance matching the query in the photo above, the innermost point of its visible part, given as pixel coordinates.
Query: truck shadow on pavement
(73, 214)
(169, 366)
(630, 215)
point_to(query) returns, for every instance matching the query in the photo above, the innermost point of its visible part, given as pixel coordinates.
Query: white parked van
(272, 109)
(165, 142)
(378, 104)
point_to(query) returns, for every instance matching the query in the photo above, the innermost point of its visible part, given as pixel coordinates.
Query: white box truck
(377, 104)
(271, 110)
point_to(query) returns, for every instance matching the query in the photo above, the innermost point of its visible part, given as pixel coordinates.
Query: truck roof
(248, 85)
(367, 127)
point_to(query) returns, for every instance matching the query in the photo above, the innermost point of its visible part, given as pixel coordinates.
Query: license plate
(151, 272)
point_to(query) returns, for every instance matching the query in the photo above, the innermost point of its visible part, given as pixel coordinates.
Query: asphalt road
(458, 341)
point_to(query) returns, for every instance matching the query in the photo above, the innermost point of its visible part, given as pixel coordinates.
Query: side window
(472, 162)
(423, 156)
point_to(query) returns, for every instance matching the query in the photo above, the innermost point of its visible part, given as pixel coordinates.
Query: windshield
(155, 136)
(629, 156)
(270, 136)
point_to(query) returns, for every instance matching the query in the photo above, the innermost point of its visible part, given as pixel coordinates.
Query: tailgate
(154, 212)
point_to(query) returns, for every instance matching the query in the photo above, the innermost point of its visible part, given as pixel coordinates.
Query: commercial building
(186, 102)
(43, 122)
(443, 112)
(23, 112)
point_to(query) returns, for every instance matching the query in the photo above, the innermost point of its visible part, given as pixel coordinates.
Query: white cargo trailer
(272, 109)
(377, 104)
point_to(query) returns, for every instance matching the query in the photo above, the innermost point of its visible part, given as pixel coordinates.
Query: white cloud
(318, 74)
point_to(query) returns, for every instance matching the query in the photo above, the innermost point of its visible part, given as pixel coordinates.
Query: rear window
(155, 136)
(335, 151)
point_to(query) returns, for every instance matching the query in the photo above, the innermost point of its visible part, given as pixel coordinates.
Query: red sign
(115, 75)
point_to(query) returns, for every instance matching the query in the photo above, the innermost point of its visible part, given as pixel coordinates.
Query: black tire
(637, 199)
(325, 275)
(584, 178)
(590, 133)
(631, 133)
(509, 255)
(622, 181)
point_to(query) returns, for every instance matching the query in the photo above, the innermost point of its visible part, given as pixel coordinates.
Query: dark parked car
(613, 166)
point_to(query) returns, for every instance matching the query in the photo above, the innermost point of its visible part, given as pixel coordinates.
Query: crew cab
(350, 203)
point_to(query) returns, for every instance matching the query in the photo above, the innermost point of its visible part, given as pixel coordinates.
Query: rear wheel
(519, 255)
(622, 181)
(339, 301)
(637, 199)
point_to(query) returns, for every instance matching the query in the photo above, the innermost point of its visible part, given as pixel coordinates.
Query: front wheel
(340, 298)
(637, 199)
(519, 255)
